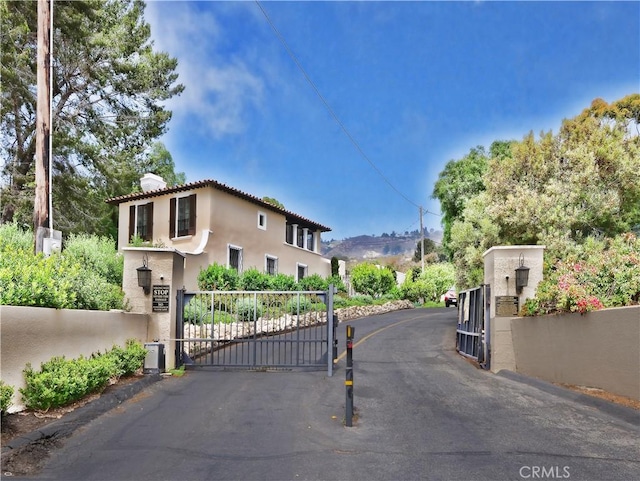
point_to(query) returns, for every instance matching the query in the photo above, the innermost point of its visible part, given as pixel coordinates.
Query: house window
(300, 238)
(235, 258)
(182, 216)
(289, 234)
(262, 221)
(310, 240)
(141, 221)
(271, 265)
(301, 271)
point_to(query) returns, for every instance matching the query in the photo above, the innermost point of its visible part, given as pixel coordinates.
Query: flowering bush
(602, 273)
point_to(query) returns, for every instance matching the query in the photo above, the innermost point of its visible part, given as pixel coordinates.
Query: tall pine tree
(108, 88)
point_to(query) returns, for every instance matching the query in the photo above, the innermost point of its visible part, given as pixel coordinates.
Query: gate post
(166, 268)
(179, 327)
(331, 333)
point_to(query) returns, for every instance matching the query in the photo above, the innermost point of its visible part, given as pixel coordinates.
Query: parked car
(450, 298)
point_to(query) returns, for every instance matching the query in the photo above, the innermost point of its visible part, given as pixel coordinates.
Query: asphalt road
(423, 413)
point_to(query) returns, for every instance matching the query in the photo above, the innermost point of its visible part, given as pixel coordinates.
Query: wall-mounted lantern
(522, 275)
(144, 275)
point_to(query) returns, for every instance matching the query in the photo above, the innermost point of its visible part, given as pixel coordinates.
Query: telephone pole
(421, 241)
(41, 205)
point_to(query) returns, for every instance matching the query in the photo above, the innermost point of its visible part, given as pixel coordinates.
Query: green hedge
(60, 381)
(220, 278)
(86, 275)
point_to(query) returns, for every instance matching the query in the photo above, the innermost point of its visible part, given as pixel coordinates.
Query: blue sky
(413, 84)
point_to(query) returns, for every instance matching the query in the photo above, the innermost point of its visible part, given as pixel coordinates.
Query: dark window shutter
(150, 221)
(172, 218)
(192, 214)
(132, 222)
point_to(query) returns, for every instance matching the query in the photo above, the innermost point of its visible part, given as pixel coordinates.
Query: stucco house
(212, 222)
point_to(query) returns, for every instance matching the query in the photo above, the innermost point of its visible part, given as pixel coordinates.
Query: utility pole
(421, 241)
(41, 214)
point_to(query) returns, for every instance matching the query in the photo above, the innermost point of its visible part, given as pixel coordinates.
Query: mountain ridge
(372, 246)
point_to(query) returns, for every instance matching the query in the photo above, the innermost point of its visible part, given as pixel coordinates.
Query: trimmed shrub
(283, 282)
(340, 301)
(298, 305)
(217, 277)
(127, 360)
(6, 393)
(372, 280)
(60, 382)
(361, 300)
(254, 280)
(198, 311)
(312, 283)
(248, 309)
(337, 282)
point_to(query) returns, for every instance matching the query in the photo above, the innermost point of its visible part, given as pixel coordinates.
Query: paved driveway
(424, 413)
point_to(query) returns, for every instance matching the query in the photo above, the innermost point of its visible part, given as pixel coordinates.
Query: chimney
(150, 182)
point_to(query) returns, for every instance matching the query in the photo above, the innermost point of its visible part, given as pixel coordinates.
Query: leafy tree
(428, 246)
(372, 280)
(430, 285)
(108, 90)
(566, 187)
(555, 190)
(457, 183)
(335, 266)
(461, 180)
(274, 202)
(160, 162)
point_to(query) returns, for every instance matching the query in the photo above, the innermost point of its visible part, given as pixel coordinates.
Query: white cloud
(218, 90)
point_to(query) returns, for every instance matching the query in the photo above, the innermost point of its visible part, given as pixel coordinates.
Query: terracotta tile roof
(291, 216)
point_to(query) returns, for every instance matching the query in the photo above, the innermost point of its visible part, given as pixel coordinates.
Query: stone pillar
(305, 237)
(500, 265)
(167, 272)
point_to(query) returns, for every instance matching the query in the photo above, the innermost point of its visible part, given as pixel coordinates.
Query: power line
(331, 112)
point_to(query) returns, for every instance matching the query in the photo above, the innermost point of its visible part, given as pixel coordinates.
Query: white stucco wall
(36, 334)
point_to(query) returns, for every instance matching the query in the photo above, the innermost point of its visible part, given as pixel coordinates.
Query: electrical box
(154, 360)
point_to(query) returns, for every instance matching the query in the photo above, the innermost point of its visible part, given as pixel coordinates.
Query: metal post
(349, 378)
(332, 339)
(179, 327)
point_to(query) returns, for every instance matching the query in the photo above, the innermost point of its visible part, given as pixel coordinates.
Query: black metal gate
(472, 335)
(255, 329)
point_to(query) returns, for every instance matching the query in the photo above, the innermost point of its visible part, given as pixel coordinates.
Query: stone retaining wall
(354, 312)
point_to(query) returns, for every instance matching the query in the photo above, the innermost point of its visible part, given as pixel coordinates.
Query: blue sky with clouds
(398, 89)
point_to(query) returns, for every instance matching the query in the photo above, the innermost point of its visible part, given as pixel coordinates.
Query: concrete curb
(66, 425)
(621, 412)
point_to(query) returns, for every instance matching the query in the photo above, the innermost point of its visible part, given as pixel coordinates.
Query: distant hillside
(372, 247)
